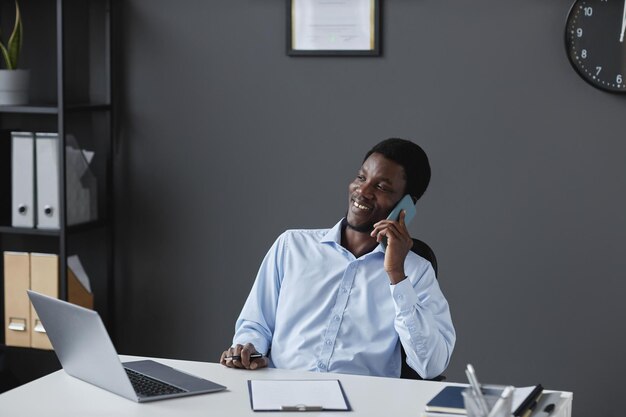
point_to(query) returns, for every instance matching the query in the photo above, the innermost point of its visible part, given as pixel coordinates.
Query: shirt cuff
(260, 344)
(404, 296)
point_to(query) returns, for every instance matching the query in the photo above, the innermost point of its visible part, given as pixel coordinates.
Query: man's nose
(365, 189)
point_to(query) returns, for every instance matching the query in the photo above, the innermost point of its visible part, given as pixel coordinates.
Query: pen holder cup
(492, 395)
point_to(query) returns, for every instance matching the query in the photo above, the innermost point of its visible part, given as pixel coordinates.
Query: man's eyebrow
(382, 179)
(385, 179)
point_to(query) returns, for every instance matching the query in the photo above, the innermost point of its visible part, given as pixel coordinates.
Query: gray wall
(224, 142)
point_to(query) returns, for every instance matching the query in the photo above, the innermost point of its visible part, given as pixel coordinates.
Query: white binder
(47, 146)
(23, 211)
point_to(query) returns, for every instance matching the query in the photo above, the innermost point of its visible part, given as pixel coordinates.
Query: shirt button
(321, 365)
(401, 297)
(328, 342)
(336, 318)
(344, 290)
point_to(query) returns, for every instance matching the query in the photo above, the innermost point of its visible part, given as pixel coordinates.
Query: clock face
(596, 42)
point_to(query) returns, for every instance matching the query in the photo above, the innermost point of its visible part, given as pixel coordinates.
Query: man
(334, 300)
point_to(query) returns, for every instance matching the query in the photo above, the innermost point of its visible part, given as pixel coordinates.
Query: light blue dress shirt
(318, 308)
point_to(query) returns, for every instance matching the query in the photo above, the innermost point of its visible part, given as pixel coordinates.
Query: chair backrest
(423, 250)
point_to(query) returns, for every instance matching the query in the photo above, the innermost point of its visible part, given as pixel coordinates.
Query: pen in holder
(499, 401)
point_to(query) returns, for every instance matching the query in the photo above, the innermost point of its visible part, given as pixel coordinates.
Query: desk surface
(59, 394)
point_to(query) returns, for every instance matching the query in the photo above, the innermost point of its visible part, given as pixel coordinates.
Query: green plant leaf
(14, 45)
(5, 55)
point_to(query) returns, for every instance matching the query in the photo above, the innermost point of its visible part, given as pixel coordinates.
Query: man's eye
(360, 177)
(383, 188)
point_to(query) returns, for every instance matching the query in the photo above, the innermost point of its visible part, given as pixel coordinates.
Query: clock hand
(621, 36)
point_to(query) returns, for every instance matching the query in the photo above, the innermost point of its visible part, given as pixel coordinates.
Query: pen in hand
(238, 357)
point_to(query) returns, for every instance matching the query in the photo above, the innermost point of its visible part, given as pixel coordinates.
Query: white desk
(59, 394)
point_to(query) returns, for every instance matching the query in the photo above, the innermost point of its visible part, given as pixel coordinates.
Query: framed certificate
(333, 27)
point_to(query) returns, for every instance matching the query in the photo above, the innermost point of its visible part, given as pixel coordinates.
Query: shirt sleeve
(258, 317)
(423, 322)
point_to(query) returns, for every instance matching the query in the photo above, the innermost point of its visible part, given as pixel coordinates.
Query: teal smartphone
(408, 206)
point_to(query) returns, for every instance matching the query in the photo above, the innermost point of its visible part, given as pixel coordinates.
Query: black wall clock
(596, 42)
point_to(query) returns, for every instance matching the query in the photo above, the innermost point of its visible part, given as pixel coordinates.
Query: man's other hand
(238, 356)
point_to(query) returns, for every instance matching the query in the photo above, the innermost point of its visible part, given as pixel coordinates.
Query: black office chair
(423, 250)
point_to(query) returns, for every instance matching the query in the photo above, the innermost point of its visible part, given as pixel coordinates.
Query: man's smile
(361, 206)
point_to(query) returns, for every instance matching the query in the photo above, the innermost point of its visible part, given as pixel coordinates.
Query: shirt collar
(334, 236)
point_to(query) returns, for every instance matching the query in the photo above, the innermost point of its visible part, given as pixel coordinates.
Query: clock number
(595, 41)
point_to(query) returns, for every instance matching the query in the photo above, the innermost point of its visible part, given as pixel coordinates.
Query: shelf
(25, 364)
(53, 109)
(52, 232)
(23, 348)
(71, 96)
(28, 231)
(43, 109)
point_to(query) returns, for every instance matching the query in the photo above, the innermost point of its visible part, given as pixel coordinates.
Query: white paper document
(297, 395)
(333, 25)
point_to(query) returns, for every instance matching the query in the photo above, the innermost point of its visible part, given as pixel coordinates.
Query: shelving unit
(67, 47)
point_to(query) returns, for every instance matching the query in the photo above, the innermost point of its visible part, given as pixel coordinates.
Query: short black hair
(412, 158)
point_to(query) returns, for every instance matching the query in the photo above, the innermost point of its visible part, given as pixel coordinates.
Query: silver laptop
(86, 352)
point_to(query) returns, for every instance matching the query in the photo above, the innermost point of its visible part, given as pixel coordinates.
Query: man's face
(377, 188)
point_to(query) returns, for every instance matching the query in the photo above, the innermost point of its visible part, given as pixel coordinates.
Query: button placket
(336, 317)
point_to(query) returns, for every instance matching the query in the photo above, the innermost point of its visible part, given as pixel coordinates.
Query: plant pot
(14, 87)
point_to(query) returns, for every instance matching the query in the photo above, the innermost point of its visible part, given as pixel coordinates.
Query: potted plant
(13, 81)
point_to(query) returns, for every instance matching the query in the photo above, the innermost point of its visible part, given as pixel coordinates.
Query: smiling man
(334, 300)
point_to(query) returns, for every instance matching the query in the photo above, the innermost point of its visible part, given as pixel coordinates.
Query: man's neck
(357, 243)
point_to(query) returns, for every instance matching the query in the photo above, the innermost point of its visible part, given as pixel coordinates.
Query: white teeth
(357, 205)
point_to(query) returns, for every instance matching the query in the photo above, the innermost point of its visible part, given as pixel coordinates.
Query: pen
(478, 393)
(238, 357)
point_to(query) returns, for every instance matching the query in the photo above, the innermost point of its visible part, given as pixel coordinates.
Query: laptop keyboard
(150, 387)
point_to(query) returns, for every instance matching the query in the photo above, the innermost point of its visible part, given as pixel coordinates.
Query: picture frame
(337, 28)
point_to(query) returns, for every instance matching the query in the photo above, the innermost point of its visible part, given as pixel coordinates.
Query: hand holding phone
(408, 206)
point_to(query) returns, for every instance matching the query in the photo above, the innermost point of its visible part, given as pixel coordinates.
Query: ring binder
(23, 210)
(16, 304)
